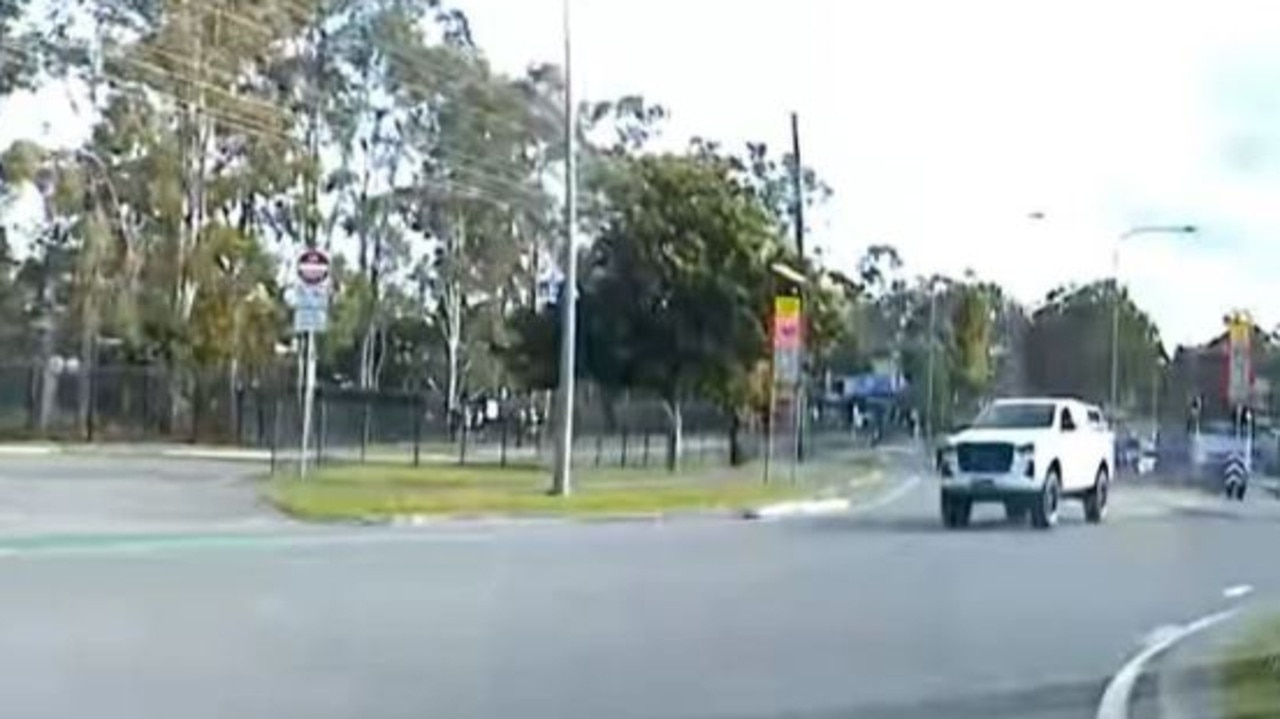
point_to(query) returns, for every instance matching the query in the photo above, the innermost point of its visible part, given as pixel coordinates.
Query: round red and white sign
(313, 266)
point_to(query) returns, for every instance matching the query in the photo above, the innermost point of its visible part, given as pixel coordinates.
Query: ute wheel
(956, 512)
(1044, 511)
(1095, 502)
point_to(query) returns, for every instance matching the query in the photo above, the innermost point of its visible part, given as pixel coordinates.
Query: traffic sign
(311, 294)
(1235, 476)
(1239, 361)
(313, 267)
(787, 331)
(788, 339)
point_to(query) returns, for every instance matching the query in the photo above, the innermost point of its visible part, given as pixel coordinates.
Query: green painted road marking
(49, 544)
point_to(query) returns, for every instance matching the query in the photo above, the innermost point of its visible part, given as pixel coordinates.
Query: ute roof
(1075, 401)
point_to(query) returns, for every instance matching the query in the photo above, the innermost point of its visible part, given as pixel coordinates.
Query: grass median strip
(1250, 675)
(339, 492)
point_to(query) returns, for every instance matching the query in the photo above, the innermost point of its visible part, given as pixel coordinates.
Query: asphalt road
(875, 614)
(119, 493)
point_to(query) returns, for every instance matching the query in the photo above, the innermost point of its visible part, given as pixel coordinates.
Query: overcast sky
(942, 124)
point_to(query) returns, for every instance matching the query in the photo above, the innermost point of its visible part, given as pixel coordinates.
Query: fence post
(624, 445)
(92, 419)
(146, 401)
(645, 463)
(366, 423)
(196, 413)
(464, 434)
(419, 408)
(323, 430)
(237, 412)
(599, 446)
(275, 432)
(506, 422)
(260, 412)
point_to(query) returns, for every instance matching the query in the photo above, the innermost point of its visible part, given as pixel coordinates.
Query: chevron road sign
(1235, 476)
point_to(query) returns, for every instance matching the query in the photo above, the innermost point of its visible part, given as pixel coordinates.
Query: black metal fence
(153, 404)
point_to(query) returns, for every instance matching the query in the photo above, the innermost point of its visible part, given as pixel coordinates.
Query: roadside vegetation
(1250, 675)
(371, 492)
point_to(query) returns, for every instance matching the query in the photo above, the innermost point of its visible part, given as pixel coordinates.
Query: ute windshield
(1016, 415)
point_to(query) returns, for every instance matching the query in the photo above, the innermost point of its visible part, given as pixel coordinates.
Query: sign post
(1239, 360)
(1239, 397)
(310, 317)
(788, 343)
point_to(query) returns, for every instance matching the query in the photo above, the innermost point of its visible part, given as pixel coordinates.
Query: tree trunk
(453, 308)
(48, 396)
(737, 457)
(675, 435)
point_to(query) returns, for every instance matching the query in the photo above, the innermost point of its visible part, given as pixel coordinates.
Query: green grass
(356, 491)
(1250, 674)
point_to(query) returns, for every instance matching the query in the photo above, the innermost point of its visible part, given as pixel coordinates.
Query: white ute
(1028, 454)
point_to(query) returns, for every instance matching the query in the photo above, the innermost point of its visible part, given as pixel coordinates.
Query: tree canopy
(227, 135)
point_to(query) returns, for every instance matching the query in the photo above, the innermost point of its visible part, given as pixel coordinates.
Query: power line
(456, 78)
(257, 127)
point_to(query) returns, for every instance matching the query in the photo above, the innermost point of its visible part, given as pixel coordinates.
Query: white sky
(942, 124)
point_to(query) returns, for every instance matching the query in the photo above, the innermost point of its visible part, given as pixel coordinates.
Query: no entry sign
(313, 267)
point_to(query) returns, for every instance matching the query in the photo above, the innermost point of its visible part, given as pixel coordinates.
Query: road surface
(875, 614)
(89, 493)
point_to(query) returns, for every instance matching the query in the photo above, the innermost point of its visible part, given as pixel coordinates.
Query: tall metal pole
(1115, 324)
(801, 393)
(797, 179)
(1115, 295)
(933, 321)
(562, 482)
(308, 402)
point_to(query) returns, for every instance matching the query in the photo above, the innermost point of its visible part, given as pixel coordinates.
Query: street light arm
(1115, 298)
(1159, 230)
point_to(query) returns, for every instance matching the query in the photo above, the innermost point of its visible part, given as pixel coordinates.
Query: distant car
(1028, 454)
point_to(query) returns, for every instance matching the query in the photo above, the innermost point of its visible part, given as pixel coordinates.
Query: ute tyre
(956, 512)
(1095, 502)
(1044, 511)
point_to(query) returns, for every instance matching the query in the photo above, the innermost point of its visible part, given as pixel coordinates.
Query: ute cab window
(1067, 423)
(1016, 415)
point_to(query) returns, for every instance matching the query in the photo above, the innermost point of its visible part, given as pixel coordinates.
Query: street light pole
(1115, 294)
(933, 323)
(562, 483)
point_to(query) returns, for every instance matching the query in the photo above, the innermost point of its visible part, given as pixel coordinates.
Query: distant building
(1201, 371)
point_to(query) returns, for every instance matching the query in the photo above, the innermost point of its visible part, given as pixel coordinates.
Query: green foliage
(681, 265)
(230, 133)
(972, 319)
(1069, 344)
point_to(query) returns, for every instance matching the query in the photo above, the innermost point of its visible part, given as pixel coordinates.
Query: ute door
(1072, 439)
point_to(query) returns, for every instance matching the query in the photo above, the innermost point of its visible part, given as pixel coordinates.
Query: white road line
(1115, 700)
(1237, 591)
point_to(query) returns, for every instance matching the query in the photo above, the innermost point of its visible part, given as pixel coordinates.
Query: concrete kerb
(45, 449)
(28, 450)
(818, 506)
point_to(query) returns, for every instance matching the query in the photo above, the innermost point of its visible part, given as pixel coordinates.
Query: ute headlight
(946, 460)
(1027, 453)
